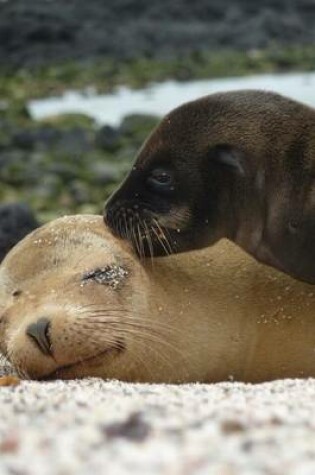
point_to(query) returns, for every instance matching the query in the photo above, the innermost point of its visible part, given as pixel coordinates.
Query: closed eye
(110, 275)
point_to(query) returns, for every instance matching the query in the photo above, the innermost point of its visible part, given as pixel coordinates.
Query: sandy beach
(111, 427)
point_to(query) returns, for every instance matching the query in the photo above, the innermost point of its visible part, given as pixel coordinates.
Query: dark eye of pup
(161, 180)
(109, 275)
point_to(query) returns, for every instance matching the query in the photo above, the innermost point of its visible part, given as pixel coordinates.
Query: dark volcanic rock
(16, 220)
(71, 141)
(43, 32)
(107, 138)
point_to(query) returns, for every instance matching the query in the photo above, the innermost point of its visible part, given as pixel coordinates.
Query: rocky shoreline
(63, 166)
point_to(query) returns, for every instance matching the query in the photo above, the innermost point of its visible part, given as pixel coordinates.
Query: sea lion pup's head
(63, 292)
(238, 165)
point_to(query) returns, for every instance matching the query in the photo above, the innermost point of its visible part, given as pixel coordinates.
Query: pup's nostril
(39, 332)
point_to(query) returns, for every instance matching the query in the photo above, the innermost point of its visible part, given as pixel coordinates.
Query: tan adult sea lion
(75, 301)
(239, 165)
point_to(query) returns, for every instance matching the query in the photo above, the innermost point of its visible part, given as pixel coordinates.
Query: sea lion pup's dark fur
(239, 165)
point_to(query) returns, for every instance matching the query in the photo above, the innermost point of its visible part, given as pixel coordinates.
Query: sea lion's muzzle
(63, 339)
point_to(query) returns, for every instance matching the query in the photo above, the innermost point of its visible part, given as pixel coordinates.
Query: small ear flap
(229, 157)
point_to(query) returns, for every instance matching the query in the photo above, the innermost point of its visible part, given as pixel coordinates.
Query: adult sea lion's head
(66, 296)
(75, 301)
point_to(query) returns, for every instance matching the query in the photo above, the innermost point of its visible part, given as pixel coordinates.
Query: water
(158, 99)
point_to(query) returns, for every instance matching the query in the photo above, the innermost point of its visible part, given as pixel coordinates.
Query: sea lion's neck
(246, 223)
(249, 225)
(197, 313)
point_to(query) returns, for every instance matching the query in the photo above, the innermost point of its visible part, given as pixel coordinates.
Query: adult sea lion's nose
(39, 332)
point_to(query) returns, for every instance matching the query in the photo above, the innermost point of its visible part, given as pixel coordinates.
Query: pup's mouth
(143, 230)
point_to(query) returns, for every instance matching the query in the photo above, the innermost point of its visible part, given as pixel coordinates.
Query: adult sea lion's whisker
(160, 355)
(144, 335)
(169, 329)
(105, 338)
(145, 330)
(107, 318)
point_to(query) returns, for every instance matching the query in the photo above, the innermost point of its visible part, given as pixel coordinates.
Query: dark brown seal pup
(239, 165)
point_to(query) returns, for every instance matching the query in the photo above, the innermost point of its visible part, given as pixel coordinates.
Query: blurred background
(83, 83)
